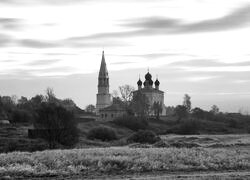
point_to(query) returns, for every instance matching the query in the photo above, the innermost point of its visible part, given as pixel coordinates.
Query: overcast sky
(199, 47)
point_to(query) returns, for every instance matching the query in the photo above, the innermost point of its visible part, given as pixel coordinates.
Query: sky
(195, 47)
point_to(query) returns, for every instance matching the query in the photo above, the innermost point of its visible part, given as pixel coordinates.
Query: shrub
(11, 146)
(102, 133)
(131, 122)
(57, 125)
(19, 115)
(144, 136)
(189, 126)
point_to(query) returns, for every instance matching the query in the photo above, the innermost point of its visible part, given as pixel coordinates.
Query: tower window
(106, 115)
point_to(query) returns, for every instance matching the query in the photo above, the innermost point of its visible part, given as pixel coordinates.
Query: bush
(131, 122)
(144, 136)
(188, 126)
(57, 125)
(21, 116)
(102, 133)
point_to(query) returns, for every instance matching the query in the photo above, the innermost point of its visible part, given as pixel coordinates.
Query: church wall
(155, 96)
(103, 100)
(110, 115)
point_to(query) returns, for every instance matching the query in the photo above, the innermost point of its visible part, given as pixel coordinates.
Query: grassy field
(175, 156)
(121, 160)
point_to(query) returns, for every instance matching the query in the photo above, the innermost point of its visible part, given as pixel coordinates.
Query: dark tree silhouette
(57, 124)
(187, 102)
(181, 112)
(157, 108)
(214, 109)
(198, 113)
(140, 104)
(90, 108)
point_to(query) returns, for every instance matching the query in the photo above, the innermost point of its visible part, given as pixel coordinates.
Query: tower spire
(103, 96)
(103, 69)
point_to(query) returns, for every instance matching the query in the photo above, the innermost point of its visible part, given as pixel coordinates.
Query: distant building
(153, 94)
(109, 113)
(107, 109)
(103, 98)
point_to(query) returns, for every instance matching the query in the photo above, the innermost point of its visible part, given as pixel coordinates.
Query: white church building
(107, 109)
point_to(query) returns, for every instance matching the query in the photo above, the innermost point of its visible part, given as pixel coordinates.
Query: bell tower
(103, 98)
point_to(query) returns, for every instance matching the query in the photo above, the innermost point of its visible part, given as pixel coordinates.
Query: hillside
(15, 136)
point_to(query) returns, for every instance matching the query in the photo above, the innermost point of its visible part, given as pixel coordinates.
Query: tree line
(52, 118)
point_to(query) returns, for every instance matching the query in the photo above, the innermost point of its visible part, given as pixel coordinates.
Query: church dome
(157, 82)
(148, 76)
(139, 82)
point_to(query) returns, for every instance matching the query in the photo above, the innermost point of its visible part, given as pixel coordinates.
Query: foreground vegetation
(121, 160)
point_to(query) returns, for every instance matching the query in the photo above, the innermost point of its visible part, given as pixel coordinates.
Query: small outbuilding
(117, 109)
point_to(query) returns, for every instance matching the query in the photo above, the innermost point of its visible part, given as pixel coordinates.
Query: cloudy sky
(199, 47)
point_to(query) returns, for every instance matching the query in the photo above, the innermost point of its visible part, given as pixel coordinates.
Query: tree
(57, 125)
(140, 104)
(37, 100)
(187, 102)
(198, 113)
(157, 108)
(90, 108)
(214, 109)
(50, 96)
(126, 92)
(23, 103)
(181, 112)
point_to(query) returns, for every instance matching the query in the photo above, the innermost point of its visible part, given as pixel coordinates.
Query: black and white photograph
(125, 89)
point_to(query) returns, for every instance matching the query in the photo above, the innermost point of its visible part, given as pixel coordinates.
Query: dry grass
(121, 160)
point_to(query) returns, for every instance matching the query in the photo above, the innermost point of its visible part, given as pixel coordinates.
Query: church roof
(103, 69)
(149, 90)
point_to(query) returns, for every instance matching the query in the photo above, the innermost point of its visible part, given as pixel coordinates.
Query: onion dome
(157, 83)
(139, 82)
(148, 76)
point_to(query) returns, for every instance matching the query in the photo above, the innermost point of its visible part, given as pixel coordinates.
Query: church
(107, 109)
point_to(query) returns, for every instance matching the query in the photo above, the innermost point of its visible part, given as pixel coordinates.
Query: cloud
(153, 55)
(5, 40)
(75, 42)
(44, 62)
(38, 43)
(60, 54)
(56, 2)
(146, 26)
(207, 63)
(121, 63)
(151, 23)
(236, 19)
(39, 2)
(89, 42)
(200, 78)
(39, 72)
(11, 23)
